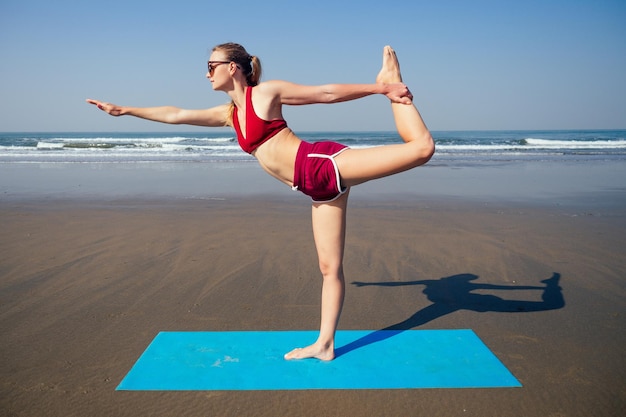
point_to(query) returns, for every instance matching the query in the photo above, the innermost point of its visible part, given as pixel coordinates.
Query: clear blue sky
(470, 64)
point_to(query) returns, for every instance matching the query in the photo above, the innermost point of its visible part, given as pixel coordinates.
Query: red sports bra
(258, 130)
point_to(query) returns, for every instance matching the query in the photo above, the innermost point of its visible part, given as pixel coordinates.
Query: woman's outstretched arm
(296, 94)
(213, 117)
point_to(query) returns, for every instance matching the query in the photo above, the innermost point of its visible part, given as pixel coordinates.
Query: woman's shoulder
(273, 86)
(269, 90)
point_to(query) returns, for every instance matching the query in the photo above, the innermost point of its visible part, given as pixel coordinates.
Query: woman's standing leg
(329, 232)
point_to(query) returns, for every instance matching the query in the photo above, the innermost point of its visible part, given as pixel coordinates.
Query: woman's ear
(232, 67)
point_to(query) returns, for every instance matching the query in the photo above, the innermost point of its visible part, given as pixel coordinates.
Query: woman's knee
(422, 149)
(331, 269)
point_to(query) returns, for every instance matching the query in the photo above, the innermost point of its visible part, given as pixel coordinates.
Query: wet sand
(87, 282)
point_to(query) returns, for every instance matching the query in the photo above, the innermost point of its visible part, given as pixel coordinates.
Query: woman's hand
(112, 109)
(399, 93)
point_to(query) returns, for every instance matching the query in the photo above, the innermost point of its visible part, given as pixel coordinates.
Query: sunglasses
(213, 64)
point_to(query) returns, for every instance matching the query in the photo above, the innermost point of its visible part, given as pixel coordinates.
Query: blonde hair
(250, 66)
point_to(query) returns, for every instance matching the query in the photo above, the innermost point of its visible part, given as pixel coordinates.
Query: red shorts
(316, 173)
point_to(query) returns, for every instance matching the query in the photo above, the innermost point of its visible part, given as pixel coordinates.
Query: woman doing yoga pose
(325, 171)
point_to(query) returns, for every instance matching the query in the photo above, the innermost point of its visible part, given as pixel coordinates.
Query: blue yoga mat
(365, 360)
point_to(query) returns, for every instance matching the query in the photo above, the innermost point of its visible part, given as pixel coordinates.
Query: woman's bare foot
(390, 72)
(316, 351)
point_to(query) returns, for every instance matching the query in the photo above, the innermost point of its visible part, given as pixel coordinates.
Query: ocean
(452, 146)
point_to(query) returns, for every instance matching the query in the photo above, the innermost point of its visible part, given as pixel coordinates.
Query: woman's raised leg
(329, 232)
(360, 165)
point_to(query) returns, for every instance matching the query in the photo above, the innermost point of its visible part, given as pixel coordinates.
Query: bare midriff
(278, 155)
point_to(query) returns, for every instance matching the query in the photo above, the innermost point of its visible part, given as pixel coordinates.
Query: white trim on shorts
(337, 176)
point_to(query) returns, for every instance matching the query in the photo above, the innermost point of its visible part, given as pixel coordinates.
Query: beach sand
(87, 283)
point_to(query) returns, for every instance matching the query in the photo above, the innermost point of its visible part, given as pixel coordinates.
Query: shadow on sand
(450, 294)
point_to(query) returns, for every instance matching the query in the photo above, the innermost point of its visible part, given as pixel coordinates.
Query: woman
(325, 171)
